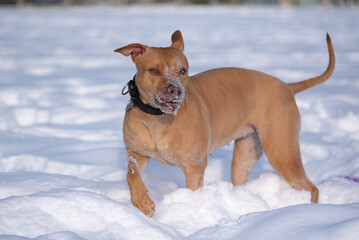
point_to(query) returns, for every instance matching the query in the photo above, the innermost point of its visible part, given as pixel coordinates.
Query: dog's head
(162, 73)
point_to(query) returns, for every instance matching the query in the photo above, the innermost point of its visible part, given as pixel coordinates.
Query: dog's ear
(135, 49)
(177, 40)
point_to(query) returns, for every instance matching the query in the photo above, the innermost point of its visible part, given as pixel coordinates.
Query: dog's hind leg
(245, 155)
(289, 165)
(280, 140)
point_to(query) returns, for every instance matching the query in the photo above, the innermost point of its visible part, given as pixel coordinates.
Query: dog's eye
(183, 71)
(154, 71)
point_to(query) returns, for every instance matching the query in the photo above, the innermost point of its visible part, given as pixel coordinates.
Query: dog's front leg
(139, 196)
(194, 173)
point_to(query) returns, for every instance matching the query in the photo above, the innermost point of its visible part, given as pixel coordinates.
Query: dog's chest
(166, 145)
(162, 149)
(166, 152)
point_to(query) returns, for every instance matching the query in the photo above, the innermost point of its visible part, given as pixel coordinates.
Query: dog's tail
(301, 86)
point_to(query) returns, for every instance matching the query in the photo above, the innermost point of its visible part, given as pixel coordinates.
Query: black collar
(136, 100)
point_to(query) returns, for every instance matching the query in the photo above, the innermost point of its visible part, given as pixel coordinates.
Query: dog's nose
(174, 90)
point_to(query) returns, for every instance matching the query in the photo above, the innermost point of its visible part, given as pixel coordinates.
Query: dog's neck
(136, 99)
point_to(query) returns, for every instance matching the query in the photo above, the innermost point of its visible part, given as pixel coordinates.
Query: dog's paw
(144, 203)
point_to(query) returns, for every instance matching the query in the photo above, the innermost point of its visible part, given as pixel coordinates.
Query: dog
(180, 120)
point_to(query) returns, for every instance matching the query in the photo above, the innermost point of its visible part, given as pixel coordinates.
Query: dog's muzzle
(169, 102)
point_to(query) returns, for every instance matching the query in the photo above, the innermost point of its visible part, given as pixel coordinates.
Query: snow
(62, 158)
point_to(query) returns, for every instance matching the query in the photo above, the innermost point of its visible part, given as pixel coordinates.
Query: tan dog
(180, 120)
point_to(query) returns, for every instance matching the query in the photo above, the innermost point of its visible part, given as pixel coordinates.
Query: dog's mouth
(168, 106)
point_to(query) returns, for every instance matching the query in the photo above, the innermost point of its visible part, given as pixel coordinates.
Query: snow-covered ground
(62, 157)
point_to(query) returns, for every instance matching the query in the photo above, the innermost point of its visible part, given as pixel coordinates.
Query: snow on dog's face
(161, 78)
(162, 73)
